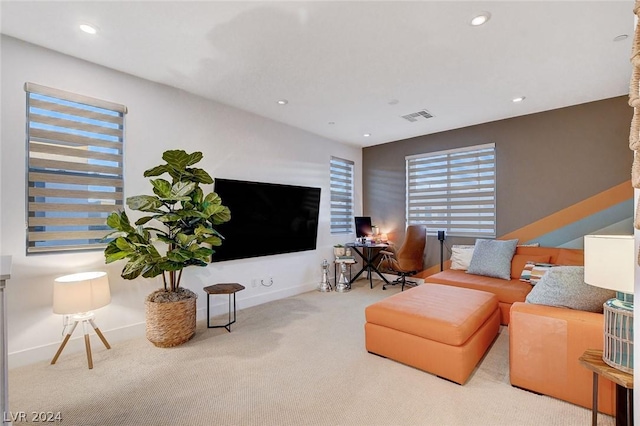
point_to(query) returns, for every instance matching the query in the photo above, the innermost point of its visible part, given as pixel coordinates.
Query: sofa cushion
(507, 291)
(520, 260)
(426, 311)
(492, 258)
(461, 256)
(564, 286)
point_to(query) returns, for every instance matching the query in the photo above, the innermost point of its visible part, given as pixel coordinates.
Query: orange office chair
(407, 260)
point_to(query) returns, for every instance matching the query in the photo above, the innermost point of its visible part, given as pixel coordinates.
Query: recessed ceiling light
(518, 99)
(480, 19)
(620, 37)
(366, 135)
(283, 102)
(89, 29)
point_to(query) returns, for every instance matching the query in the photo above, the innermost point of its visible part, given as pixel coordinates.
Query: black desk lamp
(441, 238)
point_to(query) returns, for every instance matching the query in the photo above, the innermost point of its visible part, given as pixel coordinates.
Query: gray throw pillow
(564, 286)
(492, 258)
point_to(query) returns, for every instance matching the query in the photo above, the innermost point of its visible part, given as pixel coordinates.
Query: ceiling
(353, 68)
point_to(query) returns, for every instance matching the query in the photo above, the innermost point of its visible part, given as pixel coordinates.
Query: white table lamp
(609, 262)
(77, 295)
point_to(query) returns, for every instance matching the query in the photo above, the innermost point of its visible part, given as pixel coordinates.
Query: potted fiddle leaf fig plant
(177, 231)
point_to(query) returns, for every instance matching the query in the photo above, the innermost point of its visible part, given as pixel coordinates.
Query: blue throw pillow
(492, 258)
(564, 286)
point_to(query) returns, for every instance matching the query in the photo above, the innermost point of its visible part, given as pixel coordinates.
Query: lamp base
(86, 319)
(618, 334)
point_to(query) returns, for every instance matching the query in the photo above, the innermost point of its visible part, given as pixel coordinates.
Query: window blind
(454, 191)
(341, 176)
(75, 168)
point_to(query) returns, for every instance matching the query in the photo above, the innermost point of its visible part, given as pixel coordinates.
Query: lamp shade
(609, 262)
(81, 292)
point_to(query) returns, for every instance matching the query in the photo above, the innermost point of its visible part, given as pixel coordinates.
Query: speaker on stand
(441, 238)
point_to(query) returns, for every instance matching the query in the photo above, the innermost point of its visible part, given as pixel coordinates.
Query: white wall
(235, 144)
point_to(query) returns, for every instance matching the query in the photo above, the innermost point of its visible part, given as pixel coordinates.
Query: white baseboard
(218, 306)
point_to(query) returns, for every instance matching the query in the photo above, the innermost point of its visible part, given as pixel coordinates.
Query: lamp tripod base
(86, 320)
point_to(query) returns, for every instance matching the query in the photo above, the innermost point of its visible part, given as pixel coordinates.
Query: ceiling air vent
(413, 117)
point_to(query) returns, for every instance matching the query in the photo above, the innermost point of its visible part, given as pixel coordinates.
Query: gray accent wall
(545, 162)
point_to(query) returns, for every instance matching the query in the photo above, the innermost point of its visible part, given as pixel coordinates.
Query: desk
(369, 255)
(592, 360)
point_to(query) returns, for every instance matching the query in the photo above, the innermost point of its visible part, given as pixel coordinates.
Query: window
(341, 196)
(454, 191)
(75, 163)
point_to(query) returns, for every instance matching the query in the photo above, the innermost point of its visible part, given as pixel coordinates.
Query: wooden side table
(592, 360)
(224, 288)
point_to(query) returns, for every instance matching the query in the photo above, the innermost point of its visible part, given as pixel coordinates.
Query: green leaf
(166, 239)
(201, 176)
(161, 188)
(214, 198)
(213, 209)
(202, 252)
(151, 271)
(194, 157)
(119, 221)
(115, 256)
(153, 252)
(182, 189)
(184, 239)
(113, 220)
(198, 262)
(179, 255)
(178, 159)
(171, 266)
(112, 235)
(221, 217)
(203, 230)
(156, 171)
(124, 245)
(197, 195)
(169, 217)
(214, 241)
(134, 268)
(145, 203)
(143, 220)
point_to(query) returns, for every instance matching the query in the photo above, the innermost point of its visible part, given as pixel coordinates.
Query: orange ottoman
(440, 329)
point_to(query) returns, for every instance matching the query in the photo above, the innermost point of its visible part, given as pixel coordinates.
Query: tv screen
(266, 219)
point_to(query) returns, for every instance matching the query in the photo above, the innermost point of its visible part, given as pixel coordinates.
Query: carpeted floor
(296, 361)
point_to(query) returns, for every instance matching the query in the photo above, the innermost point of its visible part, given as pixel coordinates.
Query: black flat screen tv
(266, 219)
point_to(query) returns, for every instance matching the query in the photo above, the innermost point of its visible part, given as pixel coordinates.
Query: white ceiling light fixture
(620, 37)
(480, 19)
(89, 29)
(366, 135)
(282, 102)
(518, 99)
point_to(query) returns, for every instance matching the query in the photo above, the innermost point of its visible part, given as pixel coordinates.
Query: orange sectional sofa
(545, 342)
(514, 290)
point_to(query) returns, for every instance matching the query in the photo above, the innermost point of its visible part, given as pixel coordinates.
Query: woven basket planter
(171, 323)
